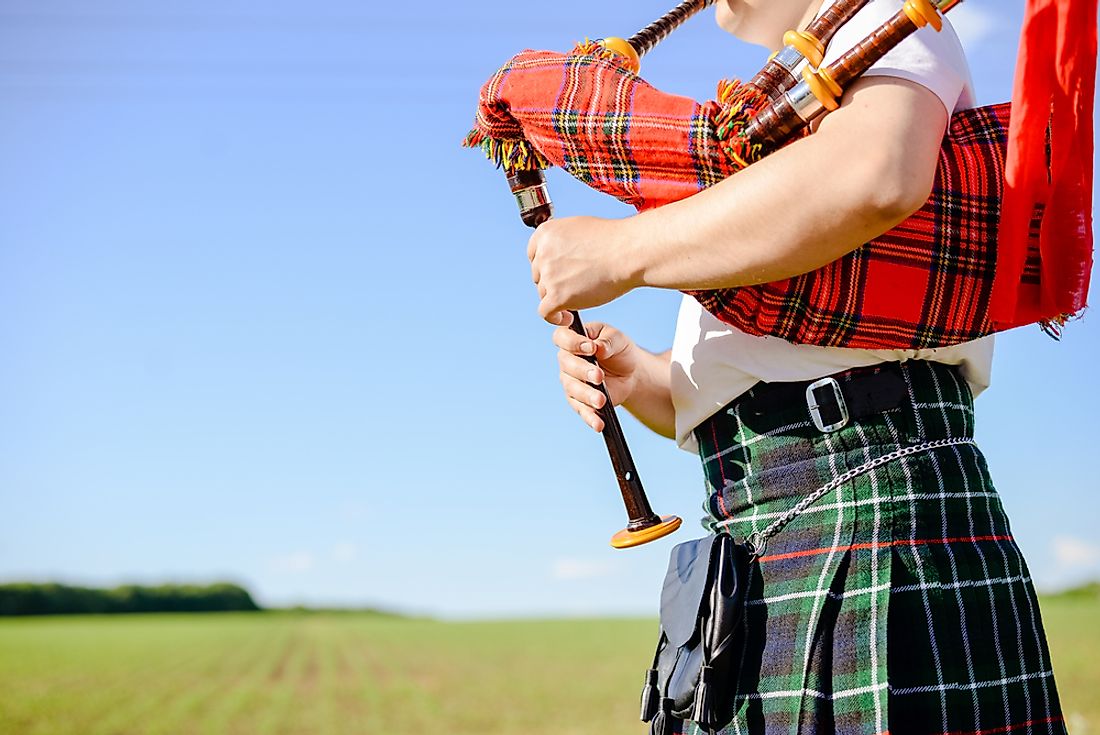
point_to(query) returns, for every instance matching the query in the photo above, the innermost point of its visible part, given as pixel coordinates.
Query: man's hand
(577, 263)
(618, 364)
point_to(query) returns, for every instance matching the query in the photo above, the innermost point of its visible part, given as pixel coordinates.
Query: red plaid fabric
(926, 283)
(604, 125)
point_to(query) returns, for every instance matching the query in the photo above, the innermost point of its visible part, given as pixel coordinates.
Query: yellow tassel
(597, 50)
(514, 155)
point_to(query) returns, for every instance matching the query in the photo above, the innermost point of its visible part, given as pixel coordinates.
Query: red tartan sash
(925, 283)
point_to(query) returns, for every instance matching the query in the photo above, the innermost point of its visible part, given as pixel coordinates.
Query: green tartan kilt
(898, 602)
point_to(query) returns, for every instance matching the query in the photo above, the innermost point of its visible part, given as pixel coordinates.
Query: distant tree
(24, 598)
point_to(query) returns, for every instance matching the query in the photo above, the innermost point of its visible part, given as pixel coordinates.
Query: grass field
(349, 673)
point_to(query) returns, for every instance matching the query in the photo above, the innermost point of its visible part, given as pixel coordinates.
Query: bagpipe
(1004, 240)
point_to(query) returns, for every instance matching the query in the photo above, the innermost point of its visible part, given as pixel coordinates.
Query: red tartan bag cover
(926, 283)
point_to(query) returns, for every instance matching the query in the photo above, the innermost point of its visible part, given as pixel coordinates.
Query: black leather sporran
(702, 610)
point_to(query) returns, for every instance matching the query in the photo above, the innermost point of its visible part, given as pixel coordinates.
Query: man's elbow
(897, 189)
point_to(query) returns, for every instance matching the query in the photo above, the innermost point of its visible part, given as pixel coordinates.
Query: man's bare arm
(651, 400)
(869, 166)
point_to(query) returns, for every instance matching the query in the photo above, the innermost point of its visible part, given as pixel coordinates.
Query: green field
(351, 673)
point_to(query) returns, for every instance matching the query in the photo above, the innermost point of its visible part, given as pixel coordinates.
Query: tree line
(24, 598)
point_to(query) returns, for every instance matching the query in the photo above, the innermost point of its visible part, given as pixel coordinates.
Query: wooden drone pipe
(634, 48)
(820, 91)
(644, 40)
(778, 75)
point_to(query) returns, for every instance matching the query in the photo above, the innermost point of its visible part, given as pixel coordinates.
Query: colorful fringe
(736, 106)
(511, 155)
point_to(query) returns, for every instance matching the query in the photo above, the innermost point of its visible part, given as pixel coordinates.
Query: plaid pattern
(926, 283)
(606, 126)
(899, 603)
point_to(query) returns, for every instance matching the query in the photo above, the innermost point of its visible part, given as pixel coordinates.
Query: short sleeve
(934, 60)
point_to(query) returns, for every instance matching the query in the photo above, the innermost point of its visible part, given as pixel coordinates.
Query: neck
(798, 19)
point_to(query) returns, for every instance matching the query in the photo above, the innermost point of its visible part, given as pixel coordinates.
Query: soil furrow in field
(177, 713)
(282, 708)
(240, 700)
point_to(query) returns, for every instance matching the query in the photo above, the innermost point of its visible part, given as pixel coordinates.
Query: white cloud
(344, 553)
(294, 563)
(581, 569)
(303, 560)
(1072, 552)
(974, 24)
(354, 510)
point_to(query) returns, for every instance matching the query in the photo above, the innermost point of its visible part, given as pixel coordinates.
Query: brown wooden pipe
(776, 78)
(775, 124)
(825, 26)
(864, 54)
(780, 121)
(644, 40)
(529, 188)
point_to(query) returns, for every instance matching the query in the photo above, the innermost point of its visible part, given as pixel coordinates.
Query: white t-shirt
(713, 362)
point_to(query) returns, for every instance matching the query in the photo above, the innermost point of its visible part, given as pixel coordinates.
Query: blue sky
(262, 319)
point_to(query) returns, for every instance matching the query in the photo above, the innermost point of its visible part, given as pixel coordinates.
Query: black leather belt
(833, 401)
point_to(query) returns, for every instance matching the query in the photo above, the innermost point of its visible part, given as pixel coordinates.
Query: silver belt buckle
(815, 407)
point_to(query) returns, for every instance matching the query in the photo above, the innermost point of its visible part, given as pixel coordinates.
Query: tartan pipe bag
(899, 601)
(926, 283)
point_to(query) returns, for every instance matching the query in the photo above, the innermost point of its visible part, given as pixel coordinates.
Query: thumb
(609, 342)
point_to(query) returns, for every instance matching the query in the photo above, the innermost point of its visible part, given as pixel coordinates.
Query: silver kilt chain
(758, 540)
